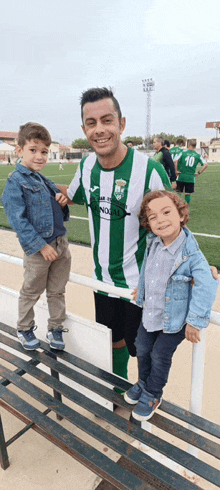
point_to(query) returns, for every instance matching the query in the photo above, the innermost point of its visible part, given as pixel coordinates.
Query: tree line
(83, 144)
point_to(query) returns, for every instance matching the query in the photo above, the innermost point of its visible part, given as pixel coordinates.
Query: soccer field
(204, 208)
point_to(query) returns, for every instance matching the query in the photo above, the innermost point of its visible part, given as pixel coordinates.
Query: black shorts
(189, 187)
(121, 316)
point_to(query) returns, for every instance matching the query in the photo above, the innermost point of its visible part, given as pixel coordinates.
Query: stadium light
(148, 87)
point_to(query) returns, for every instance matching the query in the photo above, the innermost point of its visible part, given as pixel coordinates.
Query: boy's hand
(214, 271)
(49, 254)
(61, 199)
(134, 294)
(192, 334)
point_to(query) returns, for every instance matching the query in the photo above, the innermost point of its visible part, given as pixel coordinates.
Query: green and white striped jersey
(113, 198)
(187, 163)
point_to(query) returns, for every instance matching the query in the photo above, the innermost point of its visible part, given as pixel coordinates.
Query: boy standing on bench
(36, 210)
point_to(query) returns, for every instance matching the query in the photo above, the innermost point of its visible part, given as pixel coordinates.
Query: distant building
(214, 150)
(8, 137)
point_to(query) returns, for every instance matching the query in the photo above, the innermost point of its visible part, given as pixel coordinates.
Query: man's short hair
(167, 143)
(95, 94)
(180, 142)
(192, 143)
(182, 206)
(160, 140)
(33, 131)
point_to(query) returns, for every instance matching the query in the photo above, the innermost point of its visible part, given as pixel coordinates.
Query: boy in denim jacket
(173, 309)
(36, 210)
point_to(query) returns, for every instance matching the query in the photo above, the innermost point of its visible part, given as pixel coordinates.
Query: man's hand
(61, 199)
(134, 294)
(174, 185)
(49, 254)
(192, 334)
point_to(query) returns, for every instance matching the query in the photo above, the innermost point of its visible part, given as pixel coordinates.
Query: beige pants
(39, 275)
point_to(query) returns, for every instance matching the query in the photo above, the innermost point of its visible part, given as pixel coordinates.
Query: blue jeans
(154, 352)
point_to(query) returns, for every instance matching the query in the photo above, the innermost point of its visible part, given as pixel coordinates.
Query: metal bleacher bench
(135, 469)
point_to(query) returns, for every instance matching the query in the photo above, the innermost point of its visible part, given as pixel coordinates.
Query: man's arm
(63, 190)
(204, 167)
(169, 165)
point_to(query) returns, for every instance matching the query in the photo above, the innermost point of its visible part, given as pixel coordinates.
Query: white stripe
(74, 184)
(155, 182)
(204, 234)
(49, 177)
(79, 217)
(106, 184)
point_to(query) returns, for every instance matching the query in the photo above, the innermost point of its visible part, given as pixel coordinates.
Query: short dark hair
(31, 131)
(180, 141)
(182, 206)
(94, 94)
(167, 143)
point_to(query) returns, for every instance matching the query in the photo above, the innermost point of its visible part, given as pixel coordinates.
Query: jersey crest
(119, 188)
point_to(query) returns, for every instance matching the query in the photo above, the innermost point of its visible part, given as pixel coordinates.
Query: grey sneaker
(55, 338)
(133, 394)
(28, 339)
(146, 406)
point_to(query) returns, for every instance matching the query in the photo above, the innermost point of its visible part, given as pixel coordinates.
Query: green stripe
(116, 252)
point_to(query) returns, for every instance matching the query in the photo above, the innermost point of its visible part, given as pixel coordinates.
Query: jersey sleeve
(156, 177)
(75, 189)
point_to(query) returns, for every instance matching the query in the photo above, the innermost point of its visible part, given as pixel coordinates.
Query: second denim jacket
(185, 303)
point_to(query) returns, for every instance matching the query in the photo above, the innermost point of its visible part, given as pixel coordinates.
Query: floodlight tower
(148, 87)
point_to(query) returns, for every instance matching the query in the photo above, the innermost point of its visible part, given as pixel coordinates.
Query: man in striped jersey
(112, 182)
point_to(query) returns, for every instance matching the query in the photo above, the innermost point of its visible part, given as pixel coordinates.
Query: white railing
(198, 354)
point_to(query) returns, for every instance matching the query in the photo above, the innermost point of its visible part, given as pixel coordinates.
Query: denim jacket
(185, 303)
(28, 208)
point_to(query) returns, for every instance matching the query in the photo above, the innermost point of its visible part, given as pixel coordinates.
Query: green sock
(120, 363)
(188, 198)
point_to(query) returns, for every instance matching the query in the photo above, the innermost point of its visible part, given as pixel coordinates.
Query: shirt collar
(173, 247)
(25, 170)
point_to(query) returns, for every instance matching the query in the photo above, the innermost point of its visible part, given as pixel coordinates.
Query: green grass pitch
(204, 208)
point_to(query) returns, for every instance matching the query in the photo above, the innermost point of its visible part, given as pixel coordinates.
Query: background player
(186, 163)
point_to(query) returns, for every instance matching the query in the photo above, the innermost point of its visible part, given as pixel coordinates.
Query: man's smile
(101, 140)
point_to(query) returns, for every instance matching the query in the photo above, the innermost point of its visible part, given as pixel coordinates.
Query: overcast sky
(53, 50)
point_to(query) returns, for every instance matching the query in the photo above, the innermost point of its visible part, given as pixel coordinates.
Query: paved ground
(35, 462)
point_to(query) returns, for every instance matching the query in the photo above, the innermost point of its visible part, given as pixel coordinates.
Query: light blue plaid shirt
(158, 266)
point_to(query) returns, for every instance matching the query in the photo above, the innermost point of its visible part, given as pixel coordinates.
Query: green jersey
(187, 163)
(174, 152)
(113, 198)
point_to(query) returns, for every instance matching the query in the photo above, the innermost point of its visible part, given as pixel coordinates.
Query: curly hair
(182, 206)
